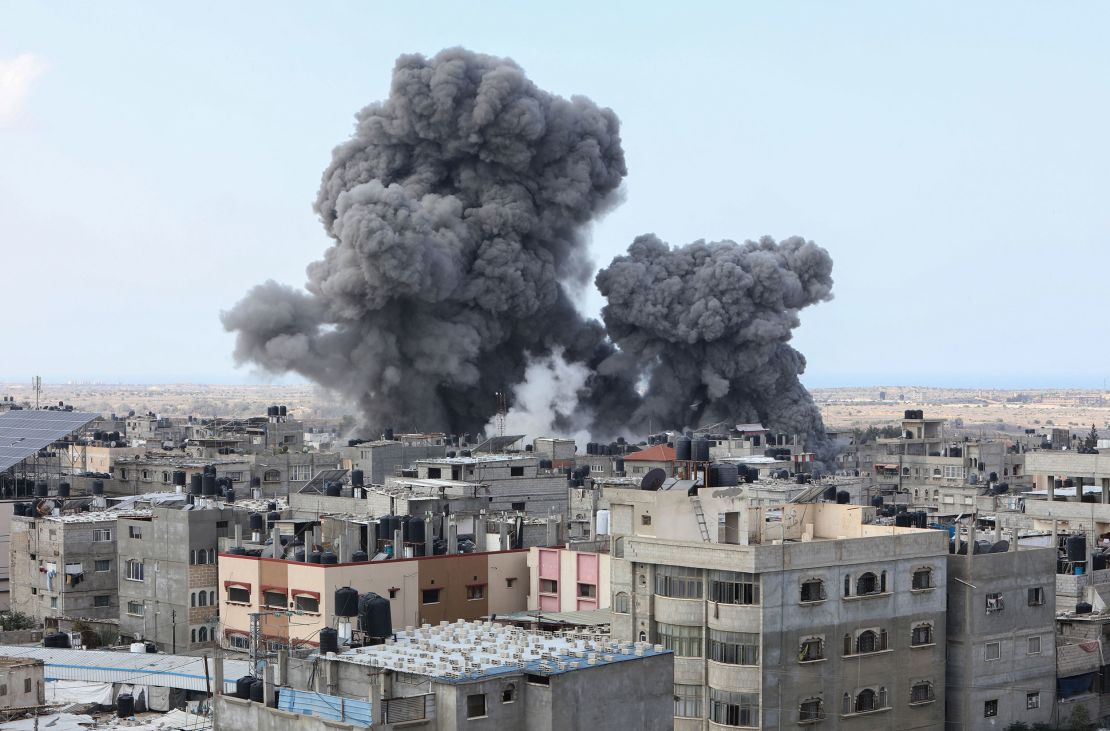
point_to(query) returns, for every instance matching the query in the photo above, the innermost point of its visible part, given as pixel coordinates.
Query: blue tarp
(1076, 684)
(335, 708)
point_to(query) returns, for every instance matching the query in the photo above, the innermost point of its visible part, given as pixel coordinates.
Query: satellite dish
(653, 480)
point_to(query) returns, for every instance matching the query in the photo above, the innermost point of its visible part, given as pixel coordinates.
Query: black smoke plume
(457, 211)
(710, 323)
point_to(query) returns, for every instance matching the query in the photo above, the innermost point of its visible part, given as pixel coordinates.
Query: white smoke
(545, 403)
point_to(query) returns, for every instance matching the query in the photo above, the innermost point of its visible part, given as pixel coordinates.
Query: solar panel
(316, 484)
(22, 432)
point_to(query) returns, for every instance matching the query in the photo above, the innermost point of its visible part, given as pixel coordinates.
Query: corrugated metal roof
(96, 666)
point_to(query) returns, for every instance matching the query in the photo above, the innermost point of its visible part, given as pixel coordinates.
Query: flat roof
(463, 651)
(482, 458)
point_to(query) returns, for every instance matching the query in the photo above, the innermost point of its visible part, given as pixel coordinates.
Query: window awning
(304, 592)
(238, 584)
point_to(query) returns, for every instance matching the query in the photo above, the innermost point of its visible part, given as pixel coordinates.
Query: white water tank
(138, 647)
(603, 522)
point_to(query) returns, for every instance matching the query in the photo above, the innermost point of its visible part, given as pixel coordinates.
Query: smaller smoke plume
(546, 402)
(710, 322)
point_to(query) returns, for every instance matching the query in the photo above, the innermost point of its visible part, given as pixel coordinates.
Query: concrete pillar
(398, 545)
(315, 536)
(276, 536)
(217, 680)
(238, 534)
(997, 526)
(268, 698)
(371, 538)
(331, 670)
(376, 691)
(341, 548)
(452, 535)
(480, 531)
(428, 537)
(970, 548)
(503, 534)
(1105, 490)
(282, 667)
(1051, 488)
(552, 526)
(1055, 534)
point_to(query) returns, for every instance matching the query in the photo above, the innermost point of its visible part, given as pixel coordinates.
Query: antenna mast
(502, 410)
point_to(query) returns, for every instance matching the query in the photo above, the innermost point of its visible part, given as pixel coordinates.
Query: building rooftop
(99, 516)
(462, 651)
(658, 453)
(477, 459)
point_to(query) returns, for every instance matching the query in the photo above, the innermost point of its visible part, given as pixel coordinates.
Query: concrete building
(511, 481)
(382, 458)
(468, 675)
(424, 589)
(782, 616)
(21, 683)
(169, 590)
(562, 580)
(1001, 638)
(638, 464)
(66, 566)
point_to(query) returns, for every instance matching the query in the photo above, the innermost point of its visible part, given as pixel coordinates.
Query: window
(733, 648)
(549, 586)
(813, 590)
(923, 578)
(239, 595)
(538, 679)
(202, 600)
(687, 701)
(869, 700)
(1036, 596)
(135, 609)
(587, 591)
(26, 685)
(193, 636)
(870, 583)
(678, 582)
(847, 585)
(202, 556)
(1032, 700)
(994, 603)
(733, 587)
(4, 689)
(922, 634)
(271, 476)
(430, 596)
(307, 603)
(645, 520)
(240, 642)
(300, 473)
(1033, 646)
(992, 651)
(123, 473)
(103, 600)
(211, 598)
(274, 599)
(102, 565)
(135, 570)
(870, 641)
(477, 591)
(622, 603)
(202, 635)
(165, 477)
(476, 705)
(812, 648)
(733, 709)
(192, 599)
(990, 709)
(434, 473)
(101, 535)
(810, 710)
(517, 506)
(683, 640)
(508, 693)
(516, 472)
(922, 692)
(53, 602)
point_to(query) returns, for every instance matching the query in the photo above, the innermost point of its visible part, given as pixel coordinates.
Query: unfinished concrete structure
(782, 616)
(511, 481)
(382, 458)
(21, 683)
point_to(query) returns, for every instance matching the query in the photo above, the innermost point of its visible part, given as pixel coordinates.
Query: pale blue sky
(951, 156)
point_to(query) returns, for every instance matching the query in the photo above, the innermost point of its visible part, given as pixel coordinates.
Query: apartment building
(510, 481)
(381, 458)
(784, 615)
(564, 580)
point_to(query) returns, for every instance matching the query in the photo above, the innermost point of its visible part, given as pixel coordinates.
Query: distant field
(980, 409)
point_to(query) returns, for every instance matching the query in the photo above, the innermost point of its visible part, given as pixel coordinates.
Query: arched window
(203, 634)
(936, 472)
(622, 603)
(203, 599)
(847, 585)
(923, 578)
(193, 636)
(810, 710)
(813, 590)
(508, 693)
(846, 704)
(922, 634)
(192, 599)
(212, 598)
(868, 583)
(921, 692)
(867, 700)
(867, 641)
(812, 648)
(271, 476)
(643, 636)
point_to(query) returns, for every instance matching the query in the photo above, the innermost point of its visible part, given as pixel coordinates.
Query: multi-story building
(1001, 638)
(421, 589)
(564, 580)
(169, 588)
(782, 616)
(379, 459)
(638, 464)
(66, 565)
(511, 481)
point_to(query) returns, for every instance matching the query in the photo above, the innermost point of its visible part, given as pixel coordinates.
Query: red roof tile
(658, 453)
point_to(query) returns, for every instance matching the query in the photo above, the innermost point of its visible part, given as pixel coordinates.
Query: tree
(1080, 720)
(1090, 444)
(16, 620)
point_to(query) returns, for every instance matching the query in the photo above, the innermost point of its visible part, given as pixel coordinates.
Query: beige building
(21, 683)
(564, 580)
(782, 616)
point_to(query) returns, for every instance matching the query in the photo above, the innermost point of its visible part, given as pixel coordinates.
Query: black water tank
(179, 478)
(1077, 548)
(877, 501)
(727, 475)
(346, 602)
(237, 551)
(257, 522)
(374, 616)
(208, 484)
(357, 478)
(682, 451)
(829, 494)
(63, 489)
(359, 557)
(243, 687)
(329, 641)
(386, 525)
(315, 557)
(843, 497)
(271, 518)
(257, 691)
(618, 465)
(56, 640)
(125, 705)
(41, 489)
(1098, 562)
(195, 482)
(700, 450)
(329, 557)
(416, 530)
(389, 435)
(229, 496)
(283, 411)
(1083, 608)
(331, 489)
